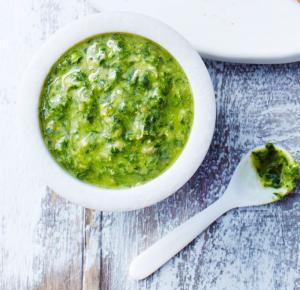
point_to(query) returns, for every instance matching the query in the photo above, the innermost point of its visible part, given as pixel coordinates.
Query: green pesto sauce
(116, 110)
(274, 168)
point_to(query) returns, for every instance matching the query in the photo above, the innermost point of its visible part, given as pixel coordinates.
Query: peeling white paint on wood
(49, 243)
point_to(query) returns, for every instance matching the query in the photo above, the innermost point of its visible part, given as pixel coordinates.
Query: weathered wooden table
(49, 243)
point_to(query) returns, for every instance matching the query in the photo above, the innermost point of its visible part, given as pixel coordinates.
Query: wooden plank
(41, 244)
(59, 236)
(92, 250)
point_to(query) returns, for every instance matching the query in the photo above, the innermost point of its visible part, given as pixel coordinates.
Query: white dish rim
(225, 30)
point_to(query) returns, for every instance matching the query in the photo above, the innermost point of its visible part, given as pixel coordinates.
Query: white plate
(250, 31)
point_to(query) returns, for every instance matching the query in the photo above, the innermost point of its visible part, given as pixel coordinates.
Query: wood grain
(49, 243)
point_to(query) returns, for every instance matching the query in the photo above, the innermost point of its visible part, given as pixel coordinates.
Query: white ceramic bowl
(46, 168)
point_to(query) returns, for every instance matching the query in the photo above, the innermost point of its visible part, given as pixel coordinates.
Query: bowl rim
(120, 199)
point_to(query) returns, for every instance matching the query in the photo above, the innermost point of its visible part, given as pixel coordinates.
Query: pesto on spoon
(275, 168)
(266, 174)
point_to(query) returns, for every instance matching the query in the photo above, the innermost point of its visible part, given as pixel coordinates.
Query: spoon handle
(164, 249)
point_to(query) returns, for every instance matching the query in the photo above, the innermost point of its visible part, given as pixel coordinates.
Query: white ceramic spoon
(243, 190)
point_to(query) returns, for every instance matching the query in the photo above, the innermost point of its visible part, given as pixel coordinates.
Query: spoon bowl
(245, 188)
